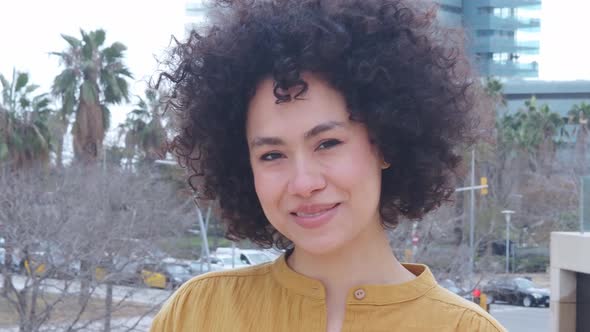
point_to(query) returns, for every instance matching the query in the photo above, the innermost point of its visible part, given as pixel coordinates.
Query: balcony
(496, 44)
(454, 3)
(195, 6)
(508, 69)
(508, 3)
(494, 22)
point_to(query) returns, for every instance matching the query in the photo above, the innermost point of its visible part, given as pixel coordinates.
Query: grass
(187, 246)
(68, 308)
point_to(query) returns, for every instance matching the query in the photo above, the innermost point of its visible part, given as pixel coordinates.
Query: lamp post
(507, 214)
(203, 223)
(472, 189)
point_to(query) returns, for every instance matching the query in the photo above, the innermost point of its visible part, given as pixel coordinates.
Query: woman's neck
(366, 260)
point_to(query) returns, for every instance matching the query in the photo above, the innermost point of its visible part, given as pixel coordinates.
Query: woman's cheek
(268, 181)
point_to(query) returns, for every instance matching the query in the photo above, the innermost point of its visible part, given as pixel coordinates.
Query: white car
(255, 257)
(226, 261)
(242, 257)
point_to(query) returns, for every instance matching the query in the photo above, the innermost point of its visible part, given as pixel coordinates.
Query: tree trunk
(108, 307)
(580, 149)
(59, 153)
(85, 276)
(88, 131)
(24, 321)
(32, 319)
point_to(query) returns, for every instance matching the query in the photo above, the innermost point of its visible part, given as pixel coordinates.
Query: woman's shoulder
(215, 283)
(471, 316)
(204, 293)
(239, 274)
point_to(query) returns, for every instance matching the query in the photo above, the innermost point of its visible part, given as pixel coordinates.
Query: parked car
(452, 286)
(15, 261)
(122, 271)
(226, 262)
(273, 253)
(165, 275)
(244, 256)
(200, 266)
(518, 291)
(255, 257)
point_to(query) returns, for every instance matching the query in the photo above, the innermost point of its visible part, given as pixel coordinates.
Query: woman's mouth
(314, 216)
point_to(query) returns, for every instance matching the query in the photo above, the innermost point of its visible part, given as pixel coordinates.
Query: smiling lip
(314, 216)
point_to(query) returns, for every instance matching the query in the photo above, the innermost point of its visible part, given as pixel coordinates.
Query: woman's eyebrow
(322, 127)
(261, 141)
(276, 141)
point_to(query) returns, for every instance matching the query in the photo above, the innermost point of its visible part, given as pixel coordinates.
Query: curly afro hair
(405, 78)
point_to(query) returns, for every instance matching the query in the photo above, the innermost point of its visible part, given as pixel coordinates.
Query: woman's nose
(306, 179)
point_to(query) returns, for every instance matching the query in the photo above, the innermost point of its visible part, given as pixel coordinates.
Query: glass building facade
(503, 35)
(195, 15)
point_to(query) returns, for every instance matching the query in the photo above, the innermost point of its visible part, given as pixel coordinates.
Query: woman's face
(317, 176)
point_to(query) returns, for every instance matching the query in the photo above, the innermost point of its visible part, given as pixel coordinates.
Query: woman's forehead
(320, 102)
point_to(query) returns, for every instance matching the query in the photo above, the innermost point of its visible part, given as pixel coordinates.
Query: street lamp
(507, 214)
(203, 223)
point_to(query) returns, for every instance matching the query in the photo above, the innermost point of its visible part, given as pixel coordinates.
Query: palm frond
(31, 88)
(106, 117)
(88, 46)
(4, 81)
(21, 80)
(123, 87)
(98, 37)
(73, 41)
(114, 52)
(65, 81)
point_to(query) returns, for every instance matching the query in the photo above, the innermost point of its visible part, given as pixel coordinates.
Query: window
(452, 9)
(504, 12)
(485, 33)
(485, 10)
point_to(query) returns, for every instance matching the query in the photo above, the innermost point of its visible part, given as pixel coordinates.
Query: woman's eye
(271, 156)
(328, 144)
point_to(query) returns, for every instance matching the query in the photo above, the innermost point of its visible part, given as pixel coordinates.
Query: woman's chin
(319, 247)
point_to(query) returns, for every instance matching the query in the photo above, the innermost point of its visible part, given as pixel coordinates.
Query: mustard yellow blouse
(272, 297)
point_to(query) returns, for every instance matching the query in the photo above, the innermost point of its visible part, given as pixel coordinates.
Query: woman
(318, 125)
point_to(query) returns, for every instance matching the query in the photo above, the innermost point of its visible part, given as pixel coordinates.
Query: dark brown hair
(401, 75)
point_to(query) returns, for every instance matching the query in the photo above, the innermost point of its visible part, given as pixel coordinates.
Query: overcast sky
(29, 29)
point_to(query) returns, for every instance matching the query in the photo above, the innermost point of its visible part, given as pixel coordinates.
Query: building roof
(578, 88)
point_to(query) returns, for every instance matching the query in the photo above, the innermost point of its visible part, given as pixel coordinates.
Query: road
(148, 296)
(521, 319)
(145, 296)
(514, 318)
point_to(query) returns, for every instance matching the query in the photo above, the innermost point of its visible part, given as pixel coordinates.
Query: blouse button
(360, 294)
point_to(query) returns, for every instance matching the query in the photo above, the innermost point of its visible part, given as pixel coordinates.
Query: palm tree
(578, 117)
(24, 134)
(495, 90)
(533, 133)
(145, 136)
(94, 77)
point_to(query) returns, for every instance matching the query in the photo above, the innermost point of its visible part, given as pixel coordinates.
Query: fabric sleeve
(182, 308)
(472, 321)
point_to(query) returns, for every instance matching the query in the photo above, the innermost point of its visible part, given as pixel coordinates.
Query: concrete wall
(570, 256)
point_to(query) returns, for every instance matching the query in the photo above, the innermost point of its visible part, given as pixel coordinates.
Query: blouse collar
(362, 294)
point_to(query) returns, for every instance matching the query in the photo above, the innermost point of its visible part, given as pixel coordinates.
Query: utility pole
(472, 188)
(507, 214)
(472, 218)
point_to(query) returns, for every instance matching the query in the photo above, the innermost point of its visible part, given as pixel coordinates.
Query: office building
(502, 35)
